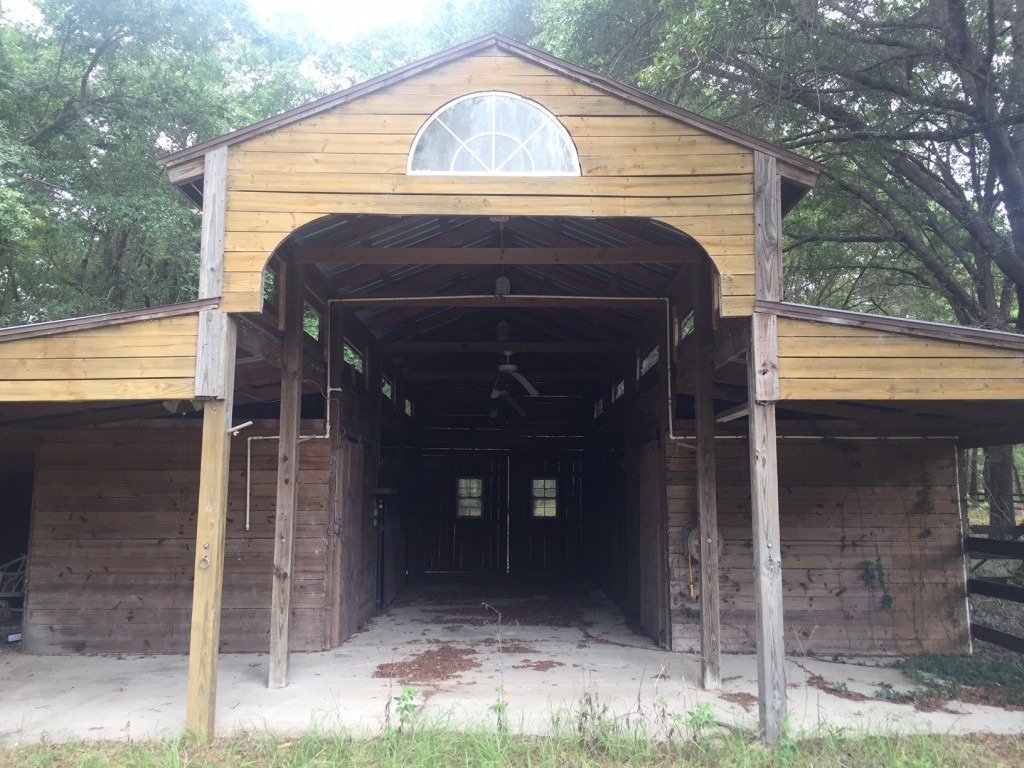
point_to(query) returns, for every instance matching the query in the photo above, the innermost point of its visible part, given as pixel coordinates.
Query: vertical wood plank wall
(352, 160)
(114, 532)
(871, 547)
(644, 473)
(357, 560)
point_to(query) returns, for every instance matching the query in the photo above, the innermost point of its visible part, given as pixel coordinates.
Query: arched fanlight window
(493, 134)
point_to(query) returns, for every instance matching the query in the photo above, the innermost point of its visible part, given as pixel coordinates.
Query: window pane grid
(544, 493)
(497, 134)
(469, 497)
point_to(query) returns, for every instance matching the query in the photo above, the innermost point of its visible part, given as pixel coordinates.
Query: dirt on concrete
(444, 662)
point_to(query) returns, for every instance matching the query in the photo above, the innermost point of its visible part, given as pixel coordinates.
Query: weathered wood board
(151, 359)
(870, 534)
(825, 361)
(113, 538)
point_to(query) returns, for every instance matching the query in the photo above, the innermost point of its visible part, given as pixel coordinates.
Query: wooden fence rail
(996, 549)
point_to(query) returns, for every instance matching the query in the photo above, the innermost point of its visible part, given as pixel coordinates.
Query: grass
(431, 747)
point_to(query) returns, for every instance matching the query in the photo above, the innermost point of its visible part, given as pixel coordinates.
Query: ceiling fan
(508, 372)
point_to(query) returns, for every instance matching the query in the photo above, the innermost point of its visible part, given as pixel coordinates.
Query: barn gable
(348, 154)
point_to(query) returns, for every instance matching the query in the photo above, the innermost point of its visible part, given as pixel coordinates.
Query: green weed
(429, 746)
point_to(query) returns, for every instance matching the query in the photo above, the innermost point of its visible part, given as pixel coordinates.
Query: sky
(334, 20)
(339, 20)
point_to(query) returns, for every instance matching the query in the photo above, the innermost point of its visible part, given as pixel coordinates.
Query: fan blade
(511, 401)
(530, 389)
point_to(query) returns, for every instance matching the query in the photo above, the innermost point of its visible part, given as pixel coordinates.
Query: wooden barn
(497, 315)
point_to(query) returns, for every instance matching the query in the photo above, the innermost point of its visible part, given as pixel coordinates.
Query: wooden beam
(732, 414)
(707, 485)
(762, 394)
(483, 373)
(559, 255)
(767, 228)
(519, 347)
(764, 489)
(190, 171)
(211, 248)
(208, 585)
(502, 302)
(287, 478)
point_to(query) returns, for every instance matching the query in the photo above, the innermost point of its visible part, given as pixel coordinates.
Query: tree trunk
(972, 485)
(999, 485)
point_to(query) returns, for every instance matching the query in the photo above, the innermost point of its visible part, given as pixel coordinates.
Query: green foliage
(91, 96)
(886, 693)
(405, 706)
(701, 719)
(1002, 678)
(500, 708)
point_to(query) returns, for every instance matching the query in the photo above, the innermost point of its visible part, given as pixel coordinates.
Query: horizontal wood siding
(871, 554)
(825, 361)
(352, 159)
(113, 538)
(142, 360)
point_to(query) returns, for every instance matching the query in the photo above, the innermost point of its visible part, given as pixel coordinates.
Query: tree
(914, 107)
(92, 95)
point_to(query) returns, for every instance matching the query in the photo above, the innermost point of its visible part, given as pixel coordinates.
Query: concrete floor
(584, 652)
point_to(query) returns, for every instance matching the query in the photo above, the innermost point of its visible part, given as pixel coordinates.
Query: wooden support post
(335, 319)
(707, 486)
(287, 477)
(762, 394)
(214, 383)
(209, 571)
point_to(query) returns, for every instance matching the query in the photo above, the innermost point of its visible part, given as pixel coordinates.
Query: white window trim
(567, 138)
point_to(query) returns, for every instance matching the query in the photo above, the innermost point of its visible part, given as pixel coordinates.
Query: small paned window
(544, 495)
(650, 361)
(354, 357)
(469, 497)
(311, 323)
(493, 134)
(408, 407)
(598, 407)
(620, 390)
(387, 388)
(685, 325)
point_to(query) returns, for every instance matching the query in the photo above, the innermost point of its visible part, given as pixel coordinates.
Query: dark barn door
(503, 512)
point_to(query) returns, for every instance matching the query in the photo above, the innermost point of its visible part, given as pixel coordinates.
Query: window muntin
(650, 360)
(493, 134)
(544, 497)
(469, 497)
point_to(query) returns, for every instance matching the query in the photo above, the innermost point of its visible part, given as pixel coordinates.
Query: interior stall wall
(113, 540)
(871, 548)
(607, 530)
(646, 513)
(355, 559)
